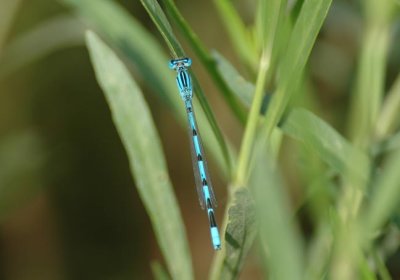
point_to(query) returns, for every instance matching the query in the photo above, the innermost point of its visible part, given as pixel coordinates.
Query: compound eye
(187, 62)
(180, 63)
(172, 64)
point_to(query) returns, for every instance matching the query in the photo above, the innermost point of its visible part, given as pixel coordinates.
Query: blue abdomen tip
(215, 238)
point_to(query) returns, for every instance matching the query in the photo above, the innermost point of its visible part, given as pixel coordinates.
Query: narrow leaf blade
(328, 144)
(243, 89)
(138, 134)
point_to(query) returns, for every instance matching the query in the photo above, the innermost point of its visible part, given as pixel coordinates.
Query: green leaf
(133, 121)
(40, 41)
(280, 239)
(243, 89)
(149, 59)
(160, 20)
(328, 144)
(239, 235)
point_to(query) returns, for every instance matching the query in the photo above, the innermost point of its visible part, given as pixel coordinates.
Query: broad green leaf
(385, 197)
(243, 89)
(7, 12)
(239, 235)
(149, 59)
(280, 240)
(40, 41)
(133, 121)
(328, 144)
(239, 35)
(165, 29)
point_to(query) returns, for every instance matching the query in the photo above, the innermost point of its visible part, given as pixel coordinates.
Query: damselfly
(202, 178)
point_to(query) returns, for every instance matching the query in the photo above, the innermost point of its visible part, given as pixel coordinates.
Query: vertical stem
(252, 122)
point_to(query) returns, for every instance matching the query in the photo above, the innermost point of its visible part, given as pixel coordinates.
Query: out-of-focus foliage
(298, 104)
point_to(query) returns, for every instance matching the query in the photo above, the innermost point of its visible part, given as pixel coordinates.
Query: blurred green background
(68, 205)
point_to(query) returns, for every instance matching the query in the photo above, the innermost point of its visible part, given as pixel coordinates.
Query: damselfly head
(180, 63)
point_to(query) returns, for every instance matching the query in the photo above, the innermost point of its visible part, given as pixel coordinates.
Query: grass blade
(160, 20)
(243, 89)
(328, 144)
(138, 134)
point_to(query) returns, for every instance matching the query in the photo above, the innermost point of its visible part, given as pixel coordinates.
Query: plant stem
(251, 127)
